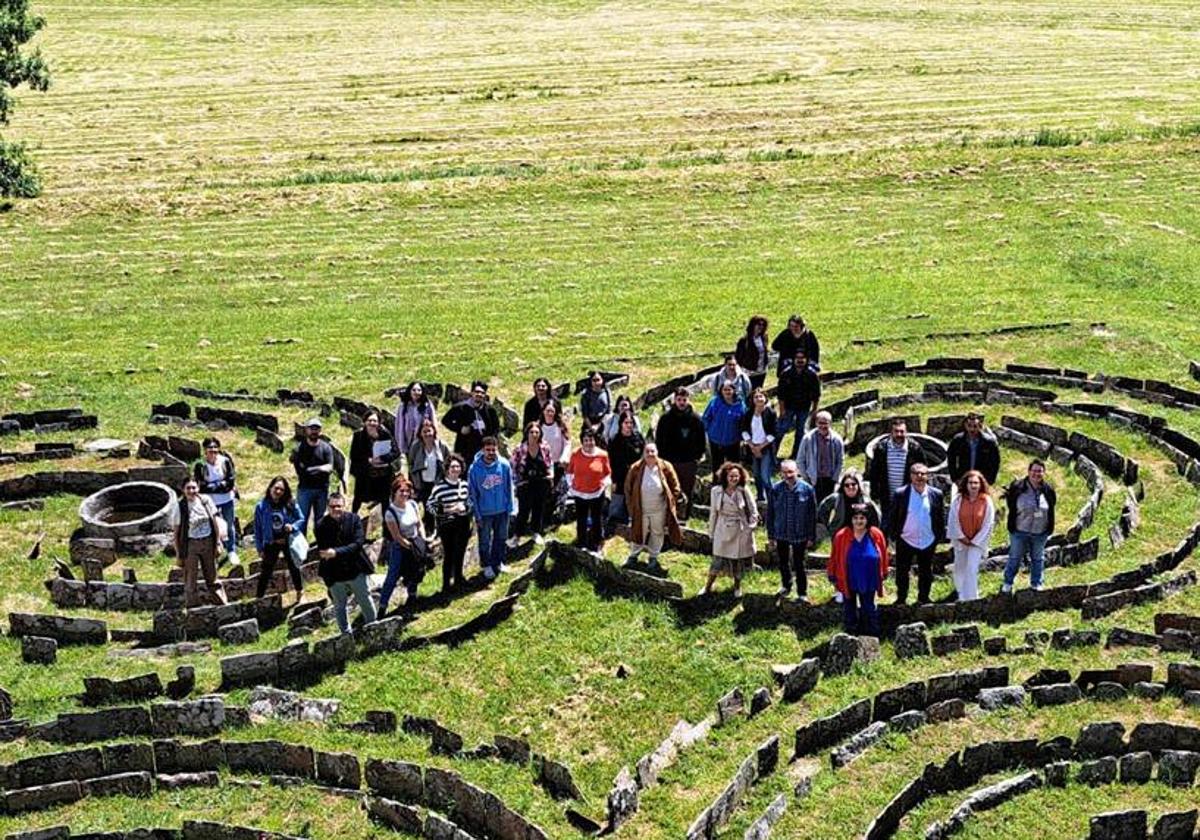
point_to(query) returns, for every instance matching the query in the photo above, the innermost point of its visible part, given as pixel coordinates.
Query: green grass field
(444, 191)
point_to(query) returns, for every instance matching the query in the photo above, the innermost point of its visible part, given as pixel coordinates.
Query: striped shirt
(897, 459)
(444, 496)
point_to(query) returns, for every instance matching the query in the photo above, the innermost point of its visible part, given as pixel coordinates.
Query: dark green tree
(18, 177)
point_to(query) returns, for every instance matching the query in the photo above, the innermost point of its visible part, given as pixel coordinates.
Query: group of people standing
(431, 492)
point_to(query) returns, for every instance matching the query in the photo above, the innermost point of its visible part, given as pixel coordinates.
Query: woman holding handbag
(197, 534)
(406, 545)
(732, 518)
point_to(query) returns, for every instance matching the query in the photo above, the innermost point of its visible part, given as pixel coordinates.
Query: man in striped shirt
(891, 463)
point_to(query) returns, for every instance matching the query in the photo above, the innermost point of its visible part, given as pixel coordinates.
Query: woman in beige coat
(652, 496)
(732, 518)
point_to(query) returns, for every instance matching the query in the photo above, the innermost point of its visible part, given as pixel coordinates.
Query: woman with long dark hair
(372, 451)
(753, 349)
(415, 407)
(543, 395)
(533, 469)
(276, 518)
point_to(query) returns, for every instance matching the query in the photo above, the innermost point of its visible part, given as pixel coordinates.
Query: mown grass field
(444, 191)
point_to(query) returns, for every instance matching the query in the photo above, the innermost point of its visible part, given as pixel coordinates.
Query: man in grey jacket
(821, 456)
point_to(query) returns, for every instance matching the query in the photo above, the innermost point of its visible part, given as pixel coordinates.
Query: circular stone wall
(132, 509)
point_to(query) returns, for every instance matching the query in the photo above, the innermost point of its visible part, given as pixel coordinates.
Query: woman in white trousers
(969, 527)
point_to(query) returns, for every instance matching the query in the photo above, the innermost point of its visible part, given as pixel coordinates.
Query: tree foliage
(18, 25)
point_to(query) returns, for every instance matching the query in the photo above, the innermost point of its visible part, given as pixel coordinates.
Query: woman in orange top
(969, 527)
(858, 563)
(588, 475)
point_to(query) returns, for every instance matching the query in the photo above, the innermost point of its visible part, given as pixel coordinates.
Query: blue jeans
(861, 616)
(340, 592)
(792, 420)
(311, 499)
(493, 538)
(227, 513)
(1020, 544)
(618, 513)
(763, 469)
(398, 563)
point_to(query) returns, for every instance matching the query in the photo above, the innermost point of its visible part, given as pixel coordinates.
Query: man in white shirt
(917, 523)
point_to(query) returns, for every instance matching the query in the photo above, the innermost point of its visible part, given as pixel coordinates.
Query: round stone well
(132, 509)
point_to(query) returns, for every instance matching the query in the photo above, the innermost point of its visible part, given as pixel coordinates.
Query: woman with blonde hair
(969, 528)
(732, 518)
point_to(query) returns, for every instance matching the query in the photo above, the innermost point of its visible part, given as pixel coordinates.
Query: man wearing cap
(313, 460)
(472, 420)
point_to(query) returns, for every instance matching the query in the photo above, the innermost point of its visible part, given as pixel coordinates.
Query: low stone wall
(86, 482)
(1174, 745)
(300, 663)
(758, 765)
(191, 830)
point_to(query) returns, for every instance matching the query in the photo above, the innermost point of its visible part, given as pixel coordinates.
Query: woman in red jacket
(857, 566)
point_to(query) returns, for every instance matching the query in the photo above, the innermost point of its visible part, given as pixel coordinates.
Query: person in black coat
(681, 443)
(797, 336)
(799, 394)
(877, 474)
(372, 451)
(344, 566)
(973, 449)
(472, 420)
(535, 405)
(916, 526)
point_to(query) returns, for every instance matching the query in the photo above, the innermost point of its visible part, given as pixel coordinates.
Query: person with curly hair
(732, 518)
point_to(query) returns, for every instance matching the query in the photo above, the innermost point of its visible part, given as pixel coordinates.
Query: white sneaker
(512, 542)
(539, 539)
(504, 569)
(488, 573)
(234, 560)
(1038, 588)
(1006, 589)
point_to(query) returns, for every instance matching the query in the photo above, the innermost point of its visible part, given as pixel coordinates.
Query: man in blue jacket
(492, 492)
(792, 528)
(917, 523)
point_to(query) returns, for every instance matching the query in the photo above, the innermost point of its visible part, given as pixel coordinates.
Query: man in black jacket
(344, 565)
(1030, 501)
(799, 394)
(681, 443)
(797, 336)
(974, 449)
(890, 464)
(472, 420)
(917, 524)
